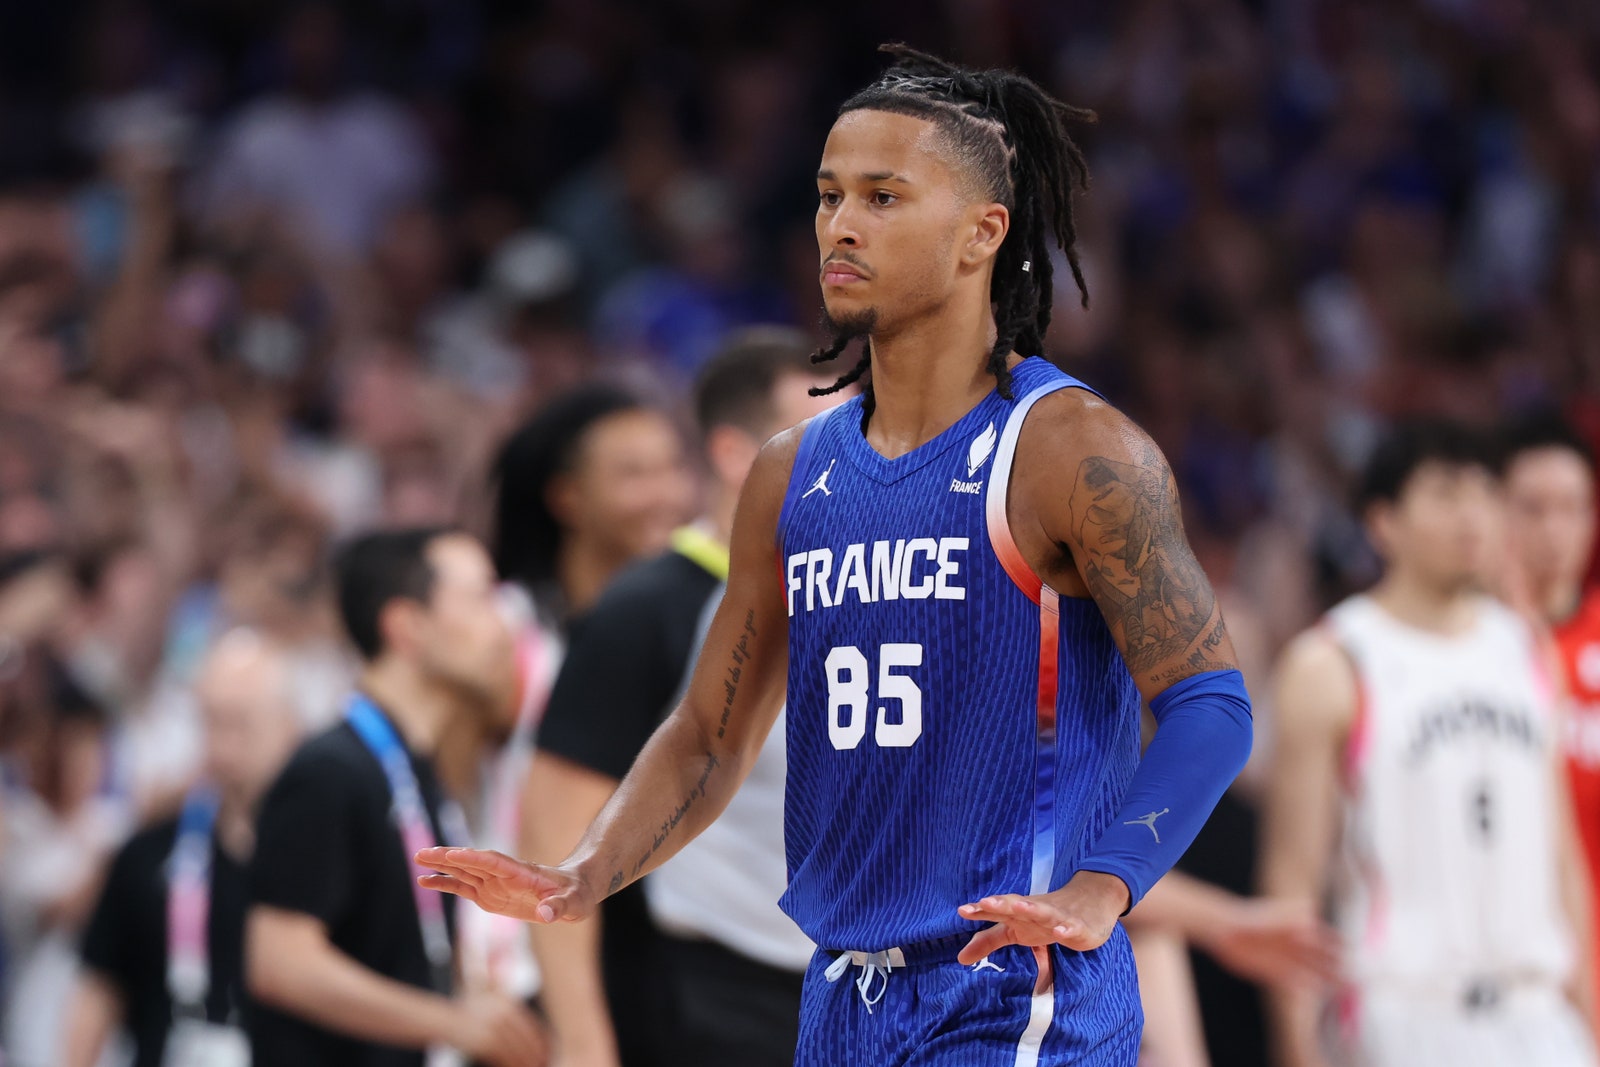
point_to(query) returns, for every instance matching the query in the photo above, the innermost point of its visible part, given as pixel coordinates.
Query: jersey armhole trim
(802, 458)
(1001, 542)
(1357, 748)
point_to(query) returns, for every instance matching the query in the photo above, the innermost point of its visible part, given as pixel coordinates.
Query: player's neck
(418, 708)
(926, 376)
(1425, 605)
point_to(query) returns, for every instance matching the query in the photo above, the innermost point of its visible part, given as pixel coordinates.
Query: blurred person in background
(711, 974)
(1549, 477)
(63, 817)
(1417, 786)
(1253, 939)
(348, 962)
(266, 574)
(163, 952)
(591, 483)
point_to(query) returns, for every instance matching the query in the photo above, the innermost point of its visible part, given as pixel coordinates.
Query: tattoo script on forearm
(1140, 569)
(739, 655)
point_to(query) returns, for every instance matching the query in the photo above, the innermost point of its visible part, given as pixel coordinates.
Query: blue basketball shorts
(917, 1007)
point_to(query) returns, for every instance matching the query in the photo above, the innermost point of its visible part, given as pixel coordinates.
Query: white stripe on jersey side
(1005, 549)
(1040, 1012)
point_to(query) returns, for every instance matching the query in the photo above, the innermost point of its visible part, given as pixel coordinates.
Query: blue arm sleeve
(1202, 739)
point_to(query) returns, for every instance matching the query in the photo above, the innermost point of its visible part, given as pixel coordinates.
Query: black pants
(732, 1011)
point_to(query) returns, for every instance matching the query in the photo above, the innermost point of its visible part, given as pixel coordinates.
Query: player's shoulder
(1316, 678)
(1319, 648)
(1073, 424)
(774, 465)
(782, 448)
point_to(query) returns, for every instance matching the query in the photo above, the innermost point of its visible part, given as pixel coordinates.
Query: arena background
(272, 274)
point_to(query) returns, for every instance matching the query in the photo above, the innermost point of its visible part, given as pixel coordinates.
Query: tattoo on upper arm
(1139, 567)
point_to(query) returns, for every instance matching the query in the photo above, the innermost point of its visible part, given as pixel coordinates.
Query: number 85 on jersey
(850, 696)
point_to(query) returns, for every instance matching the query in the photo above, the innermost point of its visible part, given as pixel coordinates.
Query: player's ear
(989, 228)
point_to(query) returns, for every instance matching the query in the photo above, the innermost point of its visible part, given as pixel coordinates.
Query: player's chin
(848, 313)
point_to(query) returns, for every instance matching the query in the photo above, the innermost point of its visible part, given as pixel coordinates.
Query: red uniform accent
(1578, 640)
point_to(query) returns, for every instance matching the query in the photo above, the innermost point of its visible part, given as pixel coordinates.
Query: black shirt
(327, 846)
(626, 661)
(126, 940)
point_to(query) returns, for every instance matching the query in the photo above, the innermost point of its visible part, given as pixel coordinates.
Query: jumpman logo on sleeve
(1149, 822)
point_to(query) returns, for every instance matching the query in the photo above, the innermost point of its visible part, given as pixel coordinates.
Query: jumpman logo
(1149, 821)
(821, 482)
(986, 962)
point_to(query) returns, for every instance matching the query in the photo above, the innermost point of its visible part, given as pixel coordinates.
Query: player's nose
(841, 230)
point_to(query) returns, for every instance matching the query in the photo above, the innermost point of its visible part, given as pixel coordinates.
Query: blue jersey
(955, 729)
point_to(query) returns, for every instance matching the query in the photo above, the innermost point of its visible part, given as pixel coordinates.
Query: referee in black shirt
(696, 964)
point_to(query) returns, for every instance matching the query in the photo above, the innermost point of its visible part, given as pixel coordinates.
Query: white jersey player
(1416, 792)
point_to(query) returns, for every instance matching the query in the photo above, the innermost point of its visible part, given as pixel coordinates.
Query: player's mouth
(837, 272)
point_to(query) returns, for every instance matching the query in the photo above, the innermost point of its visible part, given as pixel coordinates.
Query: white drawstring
(873, 965)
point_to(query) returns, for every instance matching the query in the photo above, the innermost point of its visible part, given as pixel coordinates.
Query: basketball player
(1416, 782)
(981, 570)
(1550, 504)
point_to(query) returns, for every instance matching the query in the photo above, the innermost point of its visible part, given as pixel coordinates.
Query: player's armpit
(1120, 520)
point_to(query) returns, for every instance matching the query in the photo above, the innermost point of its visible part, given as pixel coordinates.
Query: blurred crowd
(272, 274)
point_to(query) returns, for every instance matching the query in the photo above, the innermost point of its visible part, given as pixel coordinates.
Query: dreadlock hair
(1011, 136)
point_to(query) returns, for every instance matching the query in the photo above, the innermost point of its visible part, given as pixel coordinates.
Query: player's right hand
(496, 882)
(500, 1032)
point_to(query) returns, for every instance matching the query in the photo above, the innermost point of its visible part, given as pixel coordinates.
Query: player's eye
(883, 198)
(829, 197)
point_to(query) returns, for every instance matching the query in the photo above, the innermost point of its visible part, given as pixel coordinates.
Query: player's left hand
(1079, 915)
